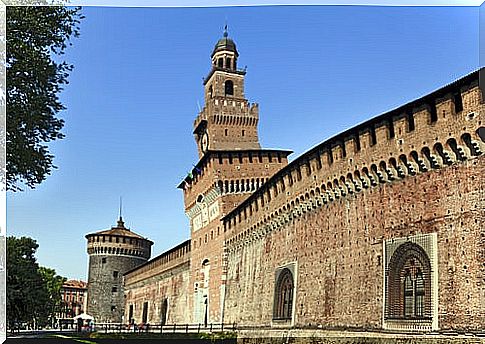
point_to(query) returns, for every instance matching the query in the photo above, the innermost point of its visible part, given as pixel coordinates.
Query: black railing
(158, 328)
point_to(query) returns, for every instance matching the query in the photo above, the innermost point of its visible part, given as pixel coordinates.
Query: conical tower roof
(119, 230)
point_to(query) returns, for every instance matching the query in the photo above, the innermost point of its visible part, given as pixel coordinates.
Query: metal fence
(159, 328)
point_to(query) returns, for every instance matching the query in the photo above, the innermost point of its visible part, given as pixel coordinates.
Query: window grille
(283, 306)
(408, 283)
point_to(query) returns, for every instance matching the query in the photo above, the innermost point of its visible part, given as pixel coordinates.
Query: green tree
(53, 283)
(23, 280)
(35, 37)
(32, 292)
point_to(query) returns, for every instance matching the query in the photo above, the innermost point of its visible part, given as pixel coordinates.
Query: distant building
(73, 296)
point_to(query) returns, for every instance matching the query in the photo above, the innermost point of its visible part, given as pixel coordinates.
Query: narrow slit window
(433, 113)
(458, 102)
(410, 118)
(373, 136)
(391, 129)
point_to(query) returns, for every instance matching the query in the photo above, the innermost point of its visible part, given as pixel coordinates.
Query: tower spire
(225, 29)
(120, 220)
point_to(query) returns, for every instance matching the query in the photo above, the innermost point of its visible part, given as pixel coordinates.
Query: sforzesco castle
(379, 229)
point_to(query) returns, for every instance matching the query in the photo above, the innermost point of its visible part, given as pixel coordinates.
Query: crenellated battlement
(233, 112)
(242, 164)
(118, 241)
(176, 256)
(440, 129)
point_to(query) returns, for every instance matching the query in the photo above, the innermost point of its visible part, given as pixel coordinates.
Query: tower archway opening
(229, 88)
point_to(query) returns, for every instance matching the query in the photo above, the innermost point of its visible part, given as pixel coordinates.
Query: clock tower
(228, 120)
(232, 165)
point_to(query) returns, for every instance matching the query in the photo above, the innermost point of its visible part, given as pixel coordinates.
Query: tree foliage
(53, 284)
(36, 36)
(33, 292)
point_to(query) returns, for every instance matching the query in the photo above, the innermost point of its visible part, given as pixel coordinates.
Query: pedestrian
(79, 324)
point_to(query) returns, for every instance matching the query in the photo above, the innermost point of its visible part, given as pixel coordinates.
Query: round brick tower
(112, 252)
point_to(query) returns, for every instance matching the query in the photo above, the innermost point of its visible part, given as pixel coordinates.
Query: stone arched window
(229, 88)
(408, 289)
(283, 306)
(220, 62)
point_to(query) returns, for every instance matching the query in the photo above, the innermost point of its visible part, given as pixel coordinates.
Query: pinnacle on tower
(225, 45)
(120, 223)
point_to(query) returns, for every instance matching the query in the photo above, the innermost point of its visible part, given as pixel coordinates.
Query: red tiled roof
(75, 284)
(119, 230)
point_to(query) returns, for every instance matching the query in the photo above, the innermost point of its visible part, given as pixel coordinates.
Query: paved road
(42, 337)
(50, 337)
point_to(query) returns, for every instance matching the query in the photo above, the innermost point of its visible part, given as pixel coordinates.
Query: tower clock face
(204, 141)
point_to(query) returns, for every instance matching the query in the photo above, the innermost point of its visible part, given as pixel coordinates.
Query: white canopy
(83, 316)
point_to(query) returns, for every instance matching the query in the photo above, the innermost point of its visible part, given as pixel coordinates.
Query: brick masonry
(318, 336)
(332, 225)
(163, 279)
(338, 249)
(328, 215)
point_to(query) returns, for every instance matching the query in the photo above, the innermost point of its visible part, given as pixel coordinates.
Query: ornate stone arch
(284, 291)
(411, 283)
(408, 292)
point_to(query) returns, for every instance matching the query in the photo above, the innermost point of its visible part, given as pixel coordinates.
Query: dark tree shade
(36, 37)
(21, 272)
(33, 292)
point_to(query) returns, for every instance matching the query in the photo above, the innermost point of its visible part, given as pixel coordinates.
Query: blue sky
(132, 99)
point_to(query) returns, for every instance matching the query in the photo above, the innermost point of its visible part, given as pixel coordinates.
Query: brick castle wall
(414, 170)
(163, 279)
(328, 216)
